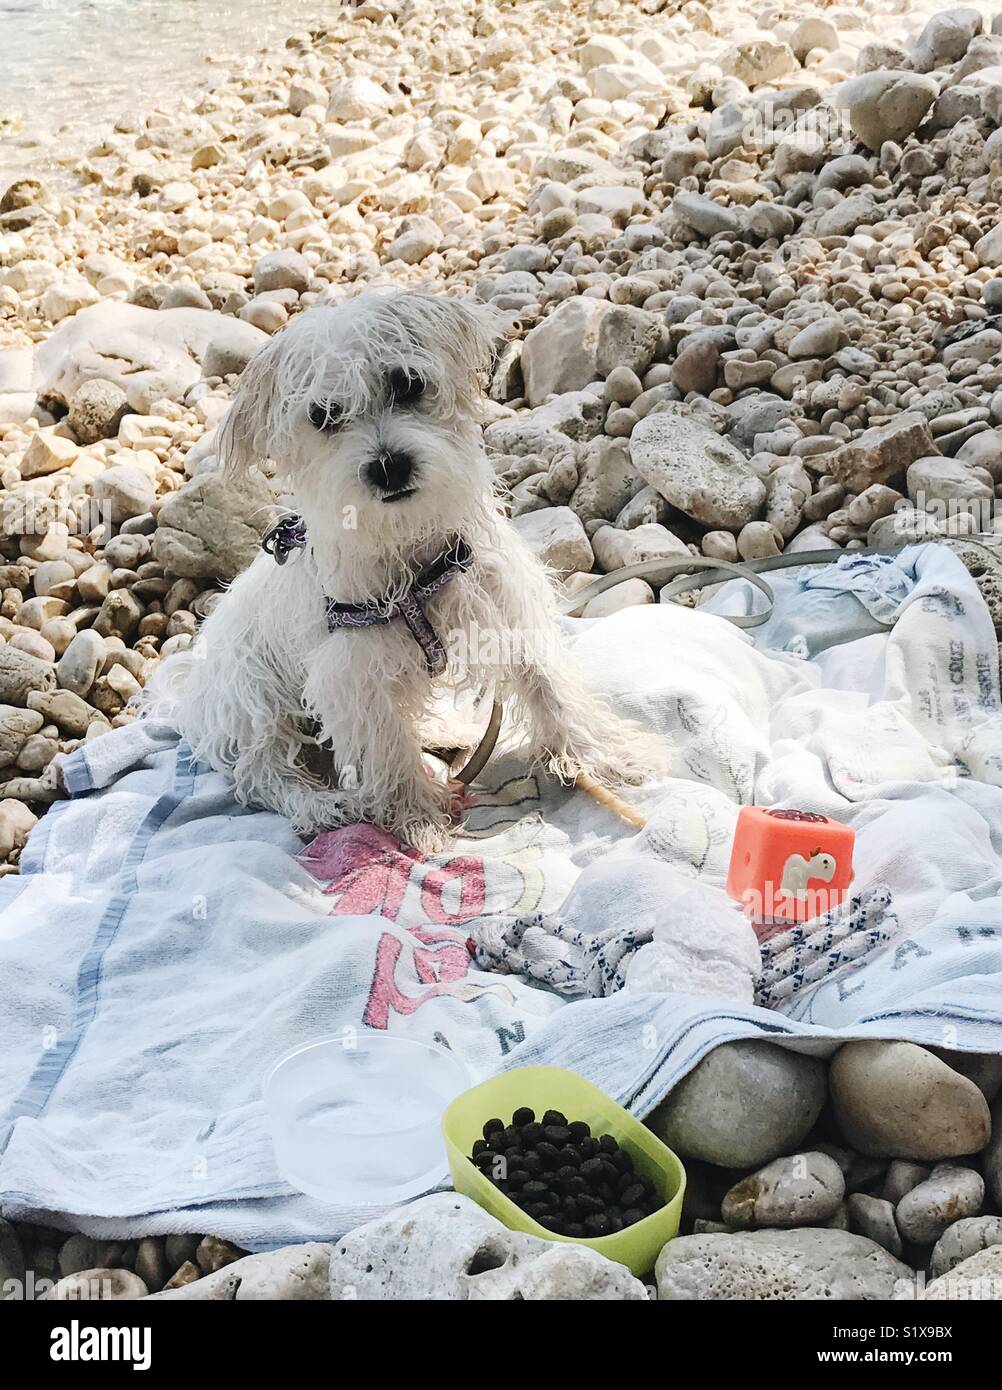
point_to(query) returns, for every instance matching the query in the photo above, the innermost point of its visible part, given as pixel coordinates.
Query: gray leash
(715, 572)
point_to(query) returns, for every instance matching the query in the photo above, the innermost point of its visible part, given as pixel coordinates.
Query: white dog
(309, 679)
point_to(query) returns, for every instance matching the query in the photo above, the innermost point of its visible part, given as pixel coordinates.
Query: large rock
(125, 491)
(96, 410)
(446, 1248)
(758, 61)
(72, 713)
(47, 453)
(873, 1217)
(696, 469)
(16, 823)
(881, 453)
(704, 216)
(606, 480)
(212, 528)
(945, 480)
(20, 674)
(945, 39)
(294, 1273)
(779, 1265)
(744, 1104)
(896, 1100)
(231, 347)
(357, 99)
(615, 549)
(282, 270)
(150, 354)
(16, 727)
(77, 668)
(887, 105)
(582, 342)
(576, 415)
(557, 538)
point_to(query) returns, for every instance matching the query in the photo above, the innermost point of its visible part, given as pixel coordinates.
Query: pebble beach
(750, 261)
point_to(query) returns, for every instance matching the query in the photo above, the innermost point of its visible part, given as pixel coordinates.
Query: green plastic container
(554, 1088)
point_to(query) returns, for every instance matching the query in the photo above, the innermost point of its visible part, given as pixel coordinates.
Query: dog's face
(370, 409)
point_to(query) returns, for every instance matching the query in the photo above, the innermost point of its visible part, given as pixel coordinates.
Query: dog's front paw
(426, 836)
(422, 816)
(326, 811)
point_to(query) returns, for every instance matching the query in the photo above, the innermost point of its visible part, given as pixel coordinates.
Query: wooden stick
(611, 802)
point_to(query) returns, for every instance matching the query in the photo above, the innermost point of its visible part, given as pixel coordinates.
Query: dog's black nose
(390, 471)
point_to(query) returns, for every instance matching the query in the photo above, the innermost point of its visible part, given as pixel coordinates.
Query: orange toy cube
(789, 866)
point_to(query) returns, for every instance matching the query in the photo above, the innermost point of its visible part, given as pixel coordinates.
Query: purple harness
(289, 534)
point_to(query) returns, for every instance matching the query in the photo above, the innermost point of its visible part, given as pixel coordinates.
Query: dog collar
(284, 537)
(289, 534)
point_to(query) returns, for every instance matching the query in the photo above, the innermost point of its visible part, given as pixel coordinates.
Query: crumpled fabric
(877, 581)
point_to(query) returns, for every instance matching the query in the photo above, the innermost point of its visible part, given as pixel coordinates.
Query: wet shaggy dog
(309, 680)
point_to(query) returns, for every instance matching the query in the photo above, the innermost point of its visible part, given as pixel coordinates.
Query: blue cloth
(163, 946)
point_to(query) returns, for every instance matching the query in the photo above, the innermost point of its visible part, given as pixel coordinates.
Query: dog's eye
(325, 415)
(405, 386)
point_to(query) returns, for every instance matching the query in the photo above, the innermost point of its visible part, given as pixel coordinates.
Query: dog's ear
(242, 440)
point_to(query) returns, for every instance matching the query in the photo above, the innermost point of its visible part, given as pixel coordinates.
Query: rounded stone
(111, 1284)
(695, 469)
(744, 1104)
(897, 1100)
(758, 541)
(808, 1264)
(963, 1239)
(77, 668)
(125, 490)
(950, 1193)
(96, 410)
(804, 1189)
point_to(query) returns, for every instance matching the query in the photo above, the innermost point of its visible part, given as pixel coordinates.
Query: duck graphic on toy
(788, 865)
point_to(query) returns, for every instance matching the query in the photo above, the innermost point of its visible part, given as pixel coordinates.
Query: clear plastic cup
(356, 1119)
